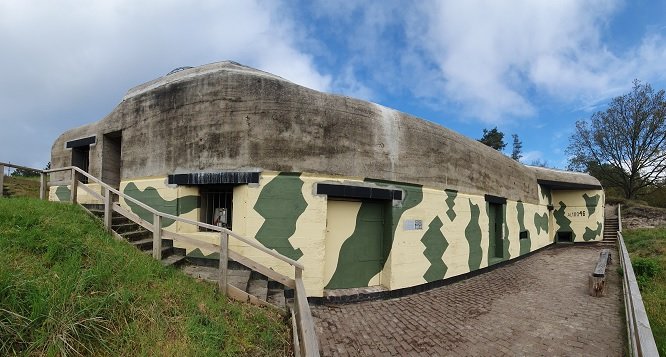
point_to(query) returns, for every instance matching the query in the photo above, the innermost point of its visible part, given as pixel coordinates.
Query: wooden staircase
(6, 192)
(611, 227)
(238, 275)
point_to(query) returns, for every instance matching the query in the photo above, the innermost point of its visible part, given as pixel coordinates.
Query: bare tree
(626, 143)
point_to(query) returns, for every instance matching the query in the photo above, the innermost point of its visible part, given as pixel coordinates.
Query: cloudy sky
(528, 67)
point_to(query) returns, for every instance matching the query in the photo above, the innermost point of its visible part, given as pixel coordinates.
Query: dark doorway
(111, 158)
(564, 237)
(81, 159)
(217, 204)
(496, 220)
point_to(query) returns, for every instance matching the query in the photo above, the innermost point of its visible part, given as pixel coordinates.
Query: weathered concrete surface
(537, 306)
(225, 116)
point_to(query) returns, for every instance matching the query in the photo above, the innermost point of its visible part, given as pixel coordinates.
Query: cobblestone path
(537, 306)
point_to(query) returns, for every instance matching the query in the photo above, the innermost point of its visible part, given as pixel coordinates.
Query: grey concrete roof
(224, 116)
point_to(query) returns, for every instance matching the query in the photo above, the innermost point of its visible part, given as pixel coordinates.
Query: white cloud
(493, 60)
(68, 63)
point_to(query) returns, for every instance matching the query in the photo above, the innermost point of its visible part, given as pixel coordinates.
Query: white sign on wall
(413, 224)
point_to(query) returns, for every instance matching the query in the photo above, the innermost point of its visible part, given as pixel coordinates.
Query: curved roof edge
(196, 72)
(563, 180)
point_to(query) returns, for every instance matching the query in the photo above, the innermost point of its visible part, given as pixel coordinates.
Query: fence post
(74, 188)
(224, 261)
(2, 181)
(107, 209)
(43, 189)
(157, 237)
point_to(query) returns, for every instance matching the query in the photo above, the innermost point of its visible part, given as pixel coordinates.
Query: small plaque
(413, 224)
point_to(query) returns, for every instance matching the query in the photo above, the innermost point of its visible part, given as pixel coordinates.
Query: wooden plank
(43, 187)
(600, 269)
(108, 210)
(157, 237)
(20, 167)
(642, 333)
(184, 239)
(91, 192)
(308, 336)
(240, 295)
(2, 180)
(73, 188)
(282, 279)
(133, 217)
(224, 262)
(294, 335)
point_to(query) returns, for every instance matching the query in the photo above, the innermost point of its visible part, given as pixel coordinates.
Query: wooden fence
(641, 340)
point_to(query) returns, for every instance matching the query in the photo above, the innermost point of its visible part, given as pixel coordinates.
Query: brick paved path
(537, 306)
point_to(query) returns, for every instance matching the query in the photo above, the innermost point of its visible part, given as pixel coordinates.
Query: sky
(531, 68)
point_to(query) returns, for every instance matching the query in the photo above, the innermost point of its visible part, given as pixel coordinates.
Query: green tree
(625, 145)
(493, 138)
(517, 151)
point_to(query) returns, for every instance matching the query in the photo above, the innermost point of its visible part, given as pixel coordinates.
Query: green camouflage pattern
(283, 213)
(473, 236)
(451, 203)
(63, 193)
(280, 203)
(151, 197)
(436, 245)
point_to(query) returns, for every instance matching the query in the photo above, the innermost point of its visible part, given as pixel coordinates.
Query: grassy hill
(67, 287)
(22, 186)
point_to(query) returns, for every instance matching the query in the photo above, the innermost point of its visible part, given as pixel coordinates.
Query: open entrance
(496, 220)
(564, 237)
(217, 205)
(111, 159)
(81, 159)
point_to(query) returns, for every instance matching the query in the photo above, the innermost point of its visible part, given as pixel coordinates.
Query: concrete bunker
(361, 194)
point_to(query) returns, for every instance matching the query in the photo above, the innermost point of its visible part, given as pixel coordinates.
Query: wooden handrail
(308, 344)
(641, 340)
(20, 167)
(42, 181)
(181, 219)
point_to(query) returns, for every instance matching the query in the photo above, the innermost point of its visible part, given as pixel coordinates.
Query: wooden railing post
(224, 261)
(108, 211)
(43, 188)
(157, 237)
(75, 187)
(2, 180)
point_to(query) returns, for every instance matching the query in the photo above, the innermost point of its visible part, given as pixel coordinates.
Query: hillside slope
(67, 287)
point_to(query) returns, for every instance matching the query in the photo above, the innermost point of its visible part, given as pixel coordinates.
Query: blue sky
(528, 67)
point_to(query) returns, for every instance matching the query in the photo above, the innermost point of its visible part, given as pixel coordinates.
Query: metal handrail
(308, 344)
(641, 340)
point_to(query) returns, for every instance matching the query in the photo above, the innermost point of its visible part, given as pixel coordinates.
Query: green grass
(68, 288)
(647, 248)
(23, 186)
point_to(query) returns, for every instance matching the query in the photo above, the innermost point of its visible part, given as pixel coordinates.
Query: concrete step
(147, 243)
(137, 235)
(173, 260)
(237, 278)
(125, 227)
(166, 252)
(258, 286)
(276, 297)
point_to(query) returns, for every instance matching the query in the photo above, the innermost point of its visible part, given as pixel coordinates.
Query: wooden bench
(597, 280)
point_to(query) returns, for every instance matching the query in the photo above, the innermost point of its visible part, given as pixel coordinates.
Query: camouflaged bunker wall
(362, 195)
